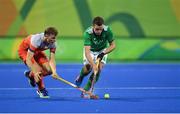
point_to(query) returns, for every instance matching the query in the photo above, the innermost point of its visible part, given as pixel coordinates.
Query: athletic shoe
(86, 96)
(43, 93)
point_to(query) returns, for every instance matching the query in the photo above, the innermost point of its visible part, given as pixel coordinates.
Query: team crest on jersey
(97, 41)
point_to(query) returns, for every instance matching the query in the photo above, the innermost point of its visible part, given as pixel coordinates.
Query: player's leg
(41, 87)
(43, 62)
(101, 65)
(88, 85)
(22, 55)
(30, 79)
(84, 71)
(30, 74)
(46, 69)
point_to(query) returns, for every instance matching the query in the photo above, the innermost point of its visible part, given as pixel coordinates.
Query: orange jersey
(35, 43)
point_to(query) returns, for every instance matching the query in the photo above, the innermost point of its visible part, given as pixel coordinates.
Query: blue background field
(142, 74)
(135, 87)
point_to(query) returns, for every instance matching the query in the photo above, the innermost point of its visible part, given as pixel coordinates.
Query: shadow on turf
(57, 98)
(78, 99)
(139, 99)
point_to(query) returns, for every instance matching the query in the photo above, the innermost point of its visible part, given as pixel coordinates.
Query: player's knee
(88, 67)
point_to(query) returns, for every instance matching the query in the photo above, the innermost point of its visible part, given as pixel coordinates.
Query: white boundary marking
(87, 113)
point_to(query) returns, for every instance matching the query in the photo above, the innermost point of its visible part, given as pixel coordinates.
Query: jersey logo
(97, 42)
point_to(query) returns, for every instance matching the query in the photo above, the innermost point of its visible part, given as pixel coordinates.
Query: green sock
(88, 85)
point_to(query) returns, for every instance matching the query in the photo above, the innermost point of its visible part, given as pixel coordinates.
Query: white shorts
(94, 57)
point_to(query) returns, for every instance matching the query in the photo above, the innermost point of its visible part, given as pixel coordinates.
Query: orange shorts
(39, 56)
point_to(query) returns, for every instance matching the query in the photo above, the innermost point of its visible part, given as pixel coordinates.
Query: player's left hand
(101, 55)
(55, 75)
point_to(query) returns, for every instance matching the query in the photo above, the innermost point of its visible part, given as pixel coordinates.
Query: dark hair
(98, 21)
(51, 30)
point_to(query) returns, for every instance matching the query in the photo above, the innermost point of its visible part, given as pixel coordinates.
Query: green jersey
(96, 42)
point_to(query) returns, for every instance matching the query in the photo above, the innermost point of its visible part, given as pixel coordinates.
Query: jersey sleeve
(34, 44)
(87, 41)
(53, 50)
(110, 35)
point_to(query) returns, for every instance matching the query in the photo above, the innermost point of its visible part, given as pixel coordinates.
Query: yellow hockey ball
(106, 96)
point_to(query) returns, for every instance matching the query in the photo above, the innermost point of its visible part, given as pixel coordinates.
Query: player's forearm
(53, 65)
(110, 48)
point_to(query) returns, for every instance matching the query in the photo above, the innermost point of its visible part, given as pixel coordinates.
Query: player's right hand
(101, 55)
(55, 75)
(37, 76)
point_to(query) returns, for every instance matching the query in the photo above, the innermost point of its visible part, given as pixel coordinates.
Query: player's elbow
(114, 46)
